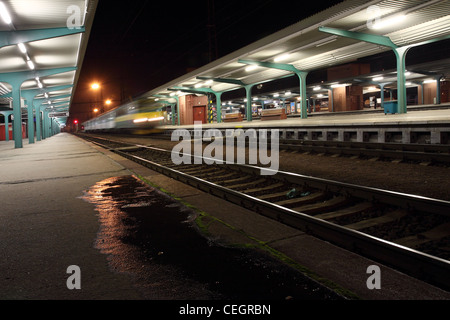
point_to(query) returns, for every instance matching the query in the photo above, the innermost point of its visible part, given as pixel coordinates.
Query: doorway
(200, 114)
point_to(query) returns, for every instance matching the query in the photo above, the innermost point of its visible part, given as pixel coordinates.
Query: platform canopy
(42, 46)
(340, 34)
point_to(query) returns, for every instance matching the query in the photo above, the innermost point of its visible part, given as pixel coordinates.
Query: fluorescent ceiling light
(378, 78)
(22, 47)
(383, 23)
(251, 68)
(198, 85)
(429, 81)
(288, 93)
(140, 120)
(338, 85)
(282, 57)
(4, 13)
(30, 64)
(317, 88)
(209, 82)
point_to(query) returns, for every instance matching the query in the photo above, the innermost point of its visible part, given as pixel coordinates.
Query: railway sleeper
(434, 234)
(267, 188)
(314, 197)
(321, 207)
(388, 217)
(356, 209)
(246, 185)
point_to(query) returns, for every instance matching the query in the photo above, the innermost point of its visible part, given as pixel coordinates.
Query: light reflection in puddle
(151, 237)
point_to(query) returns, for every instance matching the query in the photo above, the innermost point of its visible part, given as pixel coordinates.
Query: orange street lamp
(96, 110)
(95, 86)
(108, 102)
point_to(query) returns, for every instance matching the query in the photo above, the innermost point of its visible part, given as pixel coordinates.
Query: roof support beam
(248, 90)
(16, 79)
(218, 95)
(177, 99)
(400, 54)
(8, 38)
(286, 67)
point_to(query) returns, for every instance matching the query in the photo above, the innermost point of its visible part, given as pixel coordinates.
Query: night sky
(138, 45)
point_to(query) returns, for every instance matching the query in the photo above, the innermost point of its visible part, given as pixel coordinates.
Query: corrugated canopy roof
(307, 48)
(62, 51)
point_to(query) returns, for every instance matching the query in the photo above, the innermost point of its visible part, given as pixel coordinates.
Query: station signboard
(58, 114)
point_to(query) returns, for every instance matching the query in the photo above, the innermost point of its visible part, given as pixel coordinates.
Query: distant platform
(415, 116)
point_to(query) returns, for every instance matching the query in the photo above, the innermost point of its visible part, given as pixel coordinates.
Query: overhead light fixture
(320, 95)
(337, 85)
(317, 88)
(276, 95)
(383, 23)
(30, 64)
(288, 93)
(22, 47)
(378, 78)
(198, 85)
(251, 68)
(429, 81)
(282, 57)
(4, 13)
(209, 82)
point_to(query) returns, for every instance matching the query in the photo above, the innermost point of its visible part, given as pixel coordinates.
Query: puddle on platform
(151, 237)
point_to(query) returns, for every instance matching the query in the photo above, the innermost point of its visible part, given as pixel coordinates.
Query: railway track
(407, 232)
(429, 154)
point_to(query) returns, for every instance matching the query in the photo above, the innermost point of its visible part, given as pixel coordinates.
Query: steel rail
(420, 265)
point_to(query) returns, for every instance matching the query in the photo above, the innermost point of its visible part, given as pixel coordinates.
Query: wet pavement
(156, 242)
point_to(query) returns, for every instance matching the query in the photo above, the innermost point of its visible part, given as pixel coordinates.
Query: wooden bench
(273, 114)
(233, 117)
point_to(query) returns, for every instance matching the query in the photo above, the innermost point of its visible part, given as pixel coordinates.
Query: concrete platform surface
(46, 227)
(419, 117)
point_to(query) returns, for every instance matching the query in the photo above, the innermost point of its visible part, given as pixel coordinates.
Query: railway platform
(47, 227)
(420, 125)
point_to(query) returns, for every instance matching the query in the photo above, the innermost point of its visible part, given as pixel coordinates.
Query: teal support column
(303, 107)
(290, 68)
(30, 112)
(400, 54)
(38, 122)
(15, 79)
(177, 99)
(438, 90)
(29, 95)
(219, 106)
(6, 114)
(248, 109)
(205, 91)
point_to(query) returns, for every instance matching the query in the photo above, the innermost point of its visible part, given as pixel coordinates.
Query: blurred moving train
(137, 117)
